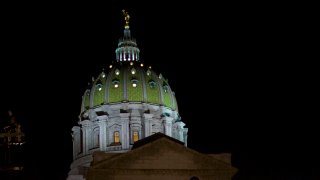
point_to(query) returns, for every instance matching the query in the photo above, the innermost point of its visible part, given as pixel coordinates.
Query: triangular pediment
(163, 153)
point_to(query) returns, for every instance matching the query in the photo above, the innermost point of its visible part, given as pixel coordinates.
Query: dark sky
(238, 89)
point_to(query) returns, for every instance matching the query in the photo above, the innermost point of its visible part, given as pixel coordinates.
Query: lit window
(117, 72)
(99, 87)
(116, 137)
(133, 71)
(134, 82)
(135, 136)
(115, 83)
(148, 72)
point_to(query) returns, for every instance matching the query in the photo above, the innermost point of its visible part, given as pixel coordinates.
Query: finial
(126, 18)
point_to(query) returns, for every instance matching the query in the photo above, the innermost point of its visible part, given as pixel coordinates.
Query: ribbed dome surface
(129, 82)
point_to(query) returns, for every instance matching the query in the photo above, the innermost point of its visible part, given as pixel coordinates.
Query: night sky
(238, 87)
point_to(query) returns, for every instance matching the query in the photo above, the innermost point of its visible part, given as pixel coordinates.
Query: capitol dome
(122, 105)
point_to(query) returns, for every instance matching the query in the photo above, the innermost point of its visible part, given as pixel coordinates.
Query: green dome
(129, 83)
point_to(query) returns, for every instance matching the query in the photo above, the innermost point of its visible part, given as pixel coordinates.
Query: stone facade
(129, 121)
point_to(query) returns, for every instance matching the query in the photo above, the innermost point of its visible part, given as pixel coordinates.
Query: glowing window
(133, 71)
(117, 72)
(135, 136)
(116, 137)
(148, 72)
(115, 83)
(99, 87)
(134, 82)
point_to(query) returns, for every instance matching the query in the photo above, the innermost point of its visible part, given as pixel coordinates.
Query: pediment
(163, 153)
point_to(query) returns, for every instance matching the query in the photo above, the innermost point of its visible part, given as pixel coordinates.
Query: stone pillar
(76, 140)
(185, 136)
(103, 132)
(180, 131)
(147, 125)
(125, 130)
(167, 123)
(86, 136)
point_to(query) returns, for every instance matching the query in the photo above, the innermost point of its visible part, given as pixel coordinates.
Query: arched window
(135, 136)
(116, 137)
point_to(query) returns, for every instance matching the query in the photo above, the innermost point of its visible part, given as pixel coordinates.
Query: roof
(152, 138)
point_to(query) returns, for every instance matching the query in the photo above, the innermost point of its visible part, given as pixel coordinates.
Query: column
(125, 130)
(86, 135)
(180, 131)
(167, 123)
(147, 124)
(103, 133)
(185, 136)
(76, 140)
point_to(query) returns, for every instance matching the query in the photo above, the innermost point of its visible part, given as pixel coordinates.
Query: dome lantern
(127, 47)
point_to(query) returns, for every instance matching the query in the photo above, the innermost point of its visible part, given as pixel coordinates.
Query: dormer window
(115, 83)
(117, 72)
(133, 71)
(152, 84)
(99, 87)
(134, 82)
(148, 72)
(165, 88)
